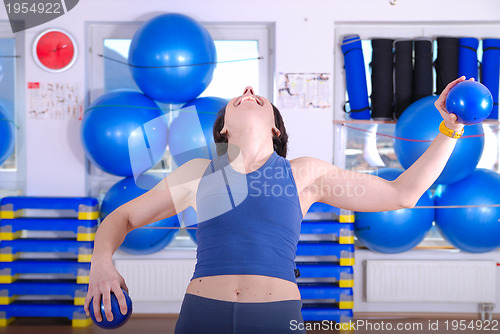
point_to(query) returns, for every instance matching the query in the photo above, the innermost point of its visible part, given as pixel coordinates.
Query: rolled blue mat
(357, 89)
(467, 57)
(490, 70)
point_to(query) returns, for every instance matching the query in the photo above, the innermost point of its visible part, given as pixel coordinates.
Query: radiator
(431, 281)
(156, 280)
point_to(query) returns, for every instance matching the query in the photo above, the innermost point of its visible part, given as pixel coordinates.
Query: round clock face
(55, 50)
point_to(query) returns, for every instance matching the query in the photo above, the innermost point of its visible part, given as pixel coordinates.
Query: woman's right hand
(104, 279)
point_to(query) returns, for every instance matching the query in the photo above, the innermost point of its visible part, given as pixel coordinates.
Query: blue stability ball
(420, 121)
(124, 133)
(190, 134)
(118, 318)
(398, 230)
(190, 219)
(150, 238)
(471, 101)
(172, 58)
(6, 136)
(474, 229)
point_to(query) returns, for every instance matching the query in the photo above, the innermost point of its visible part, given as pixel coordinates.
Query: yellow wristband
(449, 132)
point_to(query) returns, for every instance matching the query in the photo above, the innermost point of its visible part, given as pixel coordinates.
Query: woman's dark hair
(279, 143)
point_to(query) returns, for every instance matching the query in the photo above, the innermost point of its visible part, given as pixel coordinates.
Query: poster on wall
(304, 91)
(54, 101)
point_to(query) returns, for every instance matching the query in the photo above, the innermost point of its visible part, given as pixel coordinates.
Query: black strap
(468, 47)
(352, 49)
(491, 48)
(357, 110)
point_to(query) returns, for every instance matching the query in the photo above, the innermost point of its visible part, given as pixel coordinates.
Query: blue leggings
(200, 315)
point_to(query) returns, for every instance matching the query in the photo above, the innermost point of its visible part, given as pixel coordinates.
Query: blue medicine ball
(420, 121)
(190, 134)
(395, 231)
(150, 238)
(470, 101)
(118, 318)
(124, 133)
(172, 58)
(6, 136)
(474, 228)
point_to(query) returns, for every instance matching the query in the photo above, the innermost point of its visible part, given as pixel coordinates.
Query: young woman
(250, 201)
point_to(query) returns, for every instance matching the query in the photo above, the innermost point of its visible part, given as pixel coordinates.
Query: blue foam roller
(467, 57)
(357, 89)
(490, 70)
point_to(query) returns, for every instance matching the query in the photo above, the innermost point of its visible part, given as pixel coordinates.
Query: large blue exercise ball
(190, 134)
(395, 231)
(474, 228)
(150, 238)
(172, 58)
(7, 134)
(124, 133)
(419, 125)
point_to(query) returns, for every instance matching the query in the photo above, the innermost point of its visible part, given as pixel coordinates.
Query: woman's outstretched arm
(173, 194)
(355, 191)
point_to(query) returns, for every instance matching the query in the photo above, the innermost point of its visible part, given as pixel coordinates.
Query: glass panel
(237, 67)
(7, 89)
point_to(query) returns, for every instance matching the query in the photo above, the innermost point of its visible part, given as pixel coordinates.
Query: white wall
(304, 43)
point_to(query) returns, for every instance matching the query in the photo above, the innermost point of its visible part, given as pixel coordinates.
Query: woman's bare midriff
(244, 288)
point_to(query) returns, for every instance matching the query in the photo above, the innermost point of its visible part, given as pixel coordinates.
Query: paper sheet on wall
(304, 90)
(54, 101)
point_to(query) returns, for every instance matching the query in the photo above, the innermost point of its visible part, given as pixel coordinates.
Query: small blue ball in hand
(118, 318)
(471, 101)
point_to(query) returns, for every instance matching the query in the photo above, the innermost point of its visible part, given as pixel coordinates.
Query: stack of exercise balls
(125, 133)
(467, 199)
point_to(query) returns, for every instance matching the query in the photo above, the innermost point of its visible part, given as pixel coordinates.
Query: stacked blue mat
(325, 256)
(45, 259)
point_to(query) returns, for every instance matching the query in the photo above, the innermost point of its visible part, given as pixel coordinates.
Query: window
(12, 170)
(237, 46)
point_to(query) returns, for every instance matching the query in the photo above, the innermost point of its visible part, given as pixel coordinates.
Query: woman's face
(249, 110)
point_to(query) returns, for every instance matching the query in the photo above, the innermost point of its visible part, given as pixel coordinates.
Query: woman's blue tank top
(248, 224)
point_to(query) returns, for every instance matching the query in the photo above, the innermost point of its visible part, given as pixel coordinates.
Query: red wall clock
(55, 50)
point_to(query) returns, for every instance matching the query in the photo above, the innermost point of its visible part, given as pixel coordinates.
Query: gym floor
(166, 324)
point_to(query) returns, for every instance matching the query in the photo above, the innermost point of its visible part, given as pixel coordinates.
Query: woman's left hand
(450, 120)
